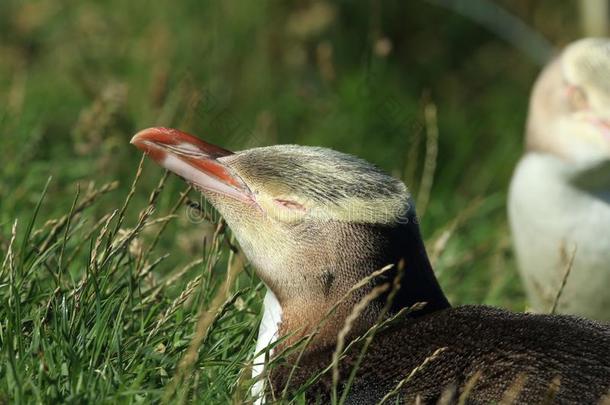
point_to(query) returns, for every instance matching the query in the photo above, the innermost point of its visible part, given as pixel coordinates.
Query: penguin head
(312, 221)
(569, 112)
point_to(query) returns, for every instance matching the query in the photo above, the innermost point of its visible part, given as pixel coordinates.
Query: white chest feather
(267, 334)
(547, 212)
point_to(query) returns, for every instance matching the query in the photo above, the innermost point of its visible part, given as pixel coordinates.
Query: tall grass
(85, 319)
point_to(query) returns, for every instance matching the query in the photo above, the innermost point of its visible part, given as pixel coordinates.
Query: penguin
(559, 196)
(336, 241)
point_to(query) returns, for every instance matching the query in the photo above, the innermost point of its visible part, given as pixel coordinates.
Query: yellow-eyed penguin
(559, 200)
(314, 222)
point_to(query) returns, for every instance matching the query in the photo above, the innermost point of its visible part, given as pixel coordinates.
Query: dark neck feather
(418, 282)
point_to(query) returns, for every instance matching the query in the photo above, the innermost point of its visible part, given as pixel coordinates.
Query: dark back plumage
(560, 359)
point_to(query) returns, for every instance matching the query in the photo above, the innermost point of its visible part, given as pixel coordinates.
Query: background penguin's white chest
(547, 213)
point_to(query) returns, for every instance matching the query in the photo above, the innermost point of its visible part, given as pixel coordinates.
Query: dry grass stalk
(68, 223)
(99, 239)
(9, 259)
(409, 170)
(380, 325)
(512, 393)
(416, 370)
(93, 261)
(425, 186)
(49, 223)
(447, 396)
(175, 277)
(145, 271)
(192, 285)
(58, 224)
(605, 400)
(123, 242)
(242, 387)
(347, 327)
(468, 387)
(160, 221)
(184, 295)
(367, 338)
(566, 274)
(308, 339)
(204, 322)
(130, 194)
(172, 213)
(171, 280)
(552, 391)
(84, 240)
(594, 17)
(370, 334)
(439, 244)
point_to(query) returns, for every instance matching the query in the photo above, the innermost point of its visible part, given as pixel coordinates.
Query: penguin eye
(293, 205)
(577, 98)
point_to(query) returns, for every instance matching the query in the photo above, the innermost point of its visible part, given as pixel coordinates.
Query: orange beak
(194, 160)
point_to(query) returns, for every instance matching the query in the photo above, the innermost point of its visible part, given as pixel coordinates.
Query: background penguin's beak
(604, 127)
(194, 160)
(600, 123)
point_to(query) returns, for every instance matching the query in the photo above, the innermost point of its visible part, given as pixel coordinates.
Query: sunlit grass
(85, 319)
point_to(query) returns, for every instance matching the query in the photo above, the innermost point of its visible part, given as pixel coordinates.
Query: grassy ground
(101, 281)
